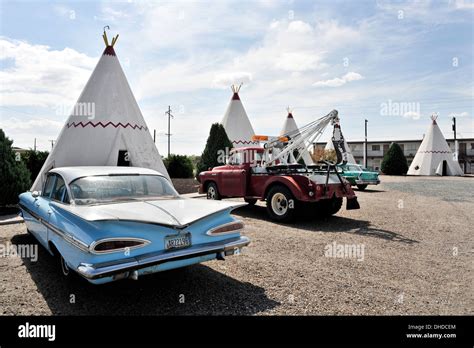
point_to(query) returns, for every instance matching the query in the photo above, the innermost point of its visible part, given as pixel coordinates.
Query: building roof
(394, 141)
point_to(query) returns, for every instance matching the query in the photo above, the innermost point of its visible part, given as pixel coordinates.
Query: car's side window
(48, 186)
(59, 189)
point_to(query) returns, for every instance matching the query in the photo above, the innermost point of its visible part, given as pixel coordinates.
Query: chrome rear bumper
(367, 182)
(108, 269)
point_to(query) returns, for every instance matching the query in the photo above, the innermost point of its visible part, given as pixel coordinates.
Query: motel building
(377, 149)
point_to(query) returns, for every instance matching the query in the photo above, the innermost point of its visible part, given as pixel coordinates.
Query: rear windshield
(115, 188)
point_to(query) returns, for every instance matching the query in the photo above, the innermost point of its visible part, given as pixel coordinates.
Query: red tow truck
(272, 173)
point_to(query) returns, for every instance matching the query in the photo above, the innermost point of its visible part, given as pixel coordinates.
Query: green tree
(394, 162)
(217, 144)
(179, 166)
(195, 161)
(14, 176)
(34, 160)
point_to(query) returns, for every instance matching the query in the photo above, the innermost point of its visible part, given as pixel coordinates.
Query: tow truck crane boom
(282, 149)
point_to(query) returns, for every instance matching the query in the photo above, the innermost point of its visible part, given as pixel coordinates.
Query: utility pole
(35, 145)
(455, 141)
(169, 127)
(154, 135)
(52, 144)
(365, 145)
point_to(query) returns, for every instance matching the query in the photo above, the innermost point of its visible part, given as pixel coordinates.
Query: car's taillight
(231, 227)
(113, 245)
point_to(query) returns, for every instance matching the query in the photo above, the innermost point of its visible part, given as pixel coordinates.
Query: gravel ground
(416, 235)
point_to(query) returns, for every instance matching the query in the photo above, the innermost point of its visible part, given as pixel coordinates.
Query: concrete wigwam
(236, 122)
(434, 157)
(106, 126)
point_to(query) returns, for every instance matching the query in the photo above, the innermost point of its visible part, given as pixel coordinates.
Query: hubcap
(279, 204)
(211, 193)
(64, 267)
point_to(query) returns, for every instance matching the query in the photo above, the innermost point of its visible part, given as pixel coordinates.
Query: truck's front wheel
(213, 192)
(280, 204)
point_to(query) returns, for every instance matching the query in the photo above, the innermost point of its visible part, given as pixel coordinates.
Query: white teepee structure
(434, 157)
(106, 127)
(236, 122)
(350, 157)
(291, 129)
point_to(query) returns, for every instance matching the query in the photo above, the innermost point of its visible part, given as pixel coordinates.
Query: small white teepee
(290, 128)
(236, 122)
(434, 157)
(106, 127)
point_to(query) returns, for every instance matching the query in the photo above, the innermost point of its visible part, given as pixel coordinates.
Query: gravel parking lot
(413, 237)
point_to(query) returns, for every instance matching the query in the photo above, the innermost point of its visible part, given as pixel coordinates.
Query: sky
(394, 63)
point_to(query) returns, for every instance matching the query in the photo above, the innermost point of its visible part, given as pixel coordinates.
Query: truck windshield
(109, 188)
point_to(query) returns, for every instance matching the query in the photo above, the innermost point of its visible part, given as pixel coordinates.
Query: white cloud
(339, 81)
(111, 15)
(464, 4)
(287, 49)
(299, 61)
(65, 11)
(40, 76)
(226, 79)
(32, 124)
(459, 114)
(412, 114)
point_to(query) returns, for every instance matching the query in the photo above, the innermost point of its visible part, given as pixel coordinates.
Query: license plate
(178, 241)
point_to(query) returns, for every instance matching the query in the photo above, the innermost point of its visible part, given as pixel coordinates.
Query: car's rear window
(109, 188)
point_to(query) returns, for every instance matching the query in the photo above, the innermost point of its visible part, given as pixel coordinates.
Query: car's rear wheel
(212, 191)
(250, 201)
(281, 204)
(362, 187)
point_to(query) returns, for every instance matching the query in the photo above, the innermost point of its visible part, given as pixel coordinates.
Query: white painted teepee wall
(290, 128)
(236, 122)
(117, 125)
(432, 152)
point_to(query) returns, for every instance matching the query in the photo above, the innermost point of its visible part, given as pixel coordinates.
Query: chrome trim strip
(94, 244)
(368, 182)
(107, 269)
(211, 231)
(66, 236)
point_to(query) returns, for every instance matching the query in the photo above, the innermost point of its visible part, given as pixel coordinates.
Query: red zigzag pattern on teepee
(110, 123)
(434, 151)
(244, 142)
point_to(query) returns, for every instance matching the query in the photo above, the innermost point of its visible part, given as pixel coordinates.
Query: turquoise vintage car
(359, 176)
(110, 223)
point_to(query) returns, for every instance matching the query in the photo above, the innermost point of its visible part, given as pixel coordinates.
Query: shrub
(14, 176)
(394, 162)
(179, 166)
(34, 160)
(216, 143)
(322, 154)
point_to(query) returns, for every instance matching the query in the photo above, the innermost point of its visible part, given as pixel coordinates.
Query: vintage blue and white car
(110, 223)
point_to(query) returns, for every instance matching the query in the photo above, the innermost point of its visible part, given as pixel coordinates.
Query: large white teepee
(350, 157)
(290, 128)
(236, 122)
(434, 157)
(106, 127)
